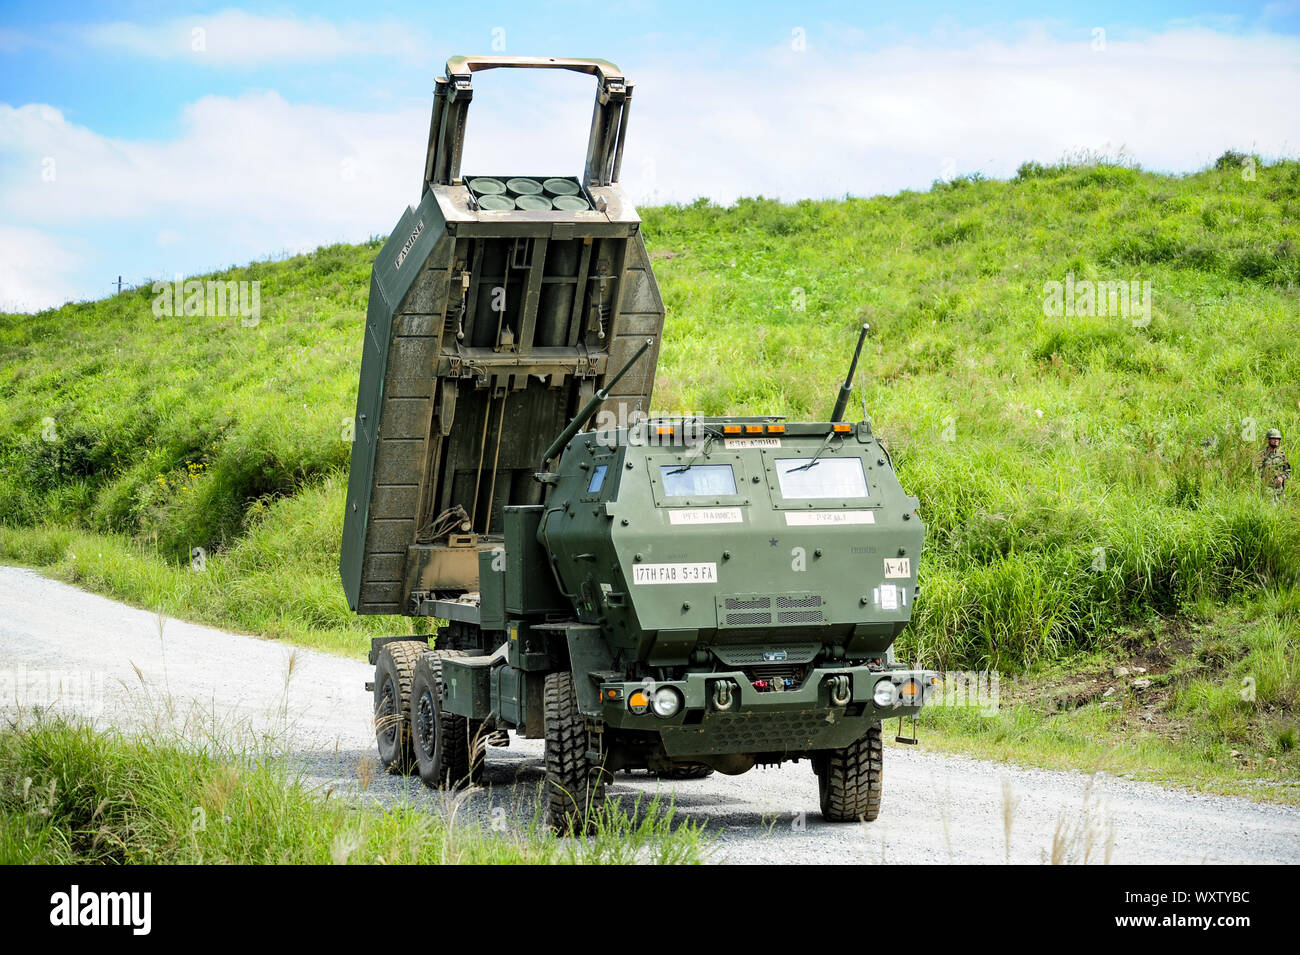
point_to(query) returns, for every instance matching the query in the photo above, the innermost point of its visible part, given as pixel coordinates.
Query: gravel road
(129, 668)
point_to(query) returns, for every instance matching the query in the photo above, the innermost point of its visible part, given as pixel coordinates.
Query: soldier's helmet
(1274, 433)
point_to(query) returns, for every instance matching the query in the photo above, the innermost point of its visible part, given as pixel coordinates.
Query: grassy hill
(1082, 477)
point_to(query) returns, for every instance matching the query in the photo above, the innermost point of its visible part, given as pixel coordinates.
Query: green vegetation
(1080, 475)
(1202, 701)
(70, 795)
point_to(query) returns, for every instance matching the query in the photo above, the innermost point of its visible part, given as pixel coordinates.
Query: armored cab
(680, 595)
(498, 306)
(757, 570)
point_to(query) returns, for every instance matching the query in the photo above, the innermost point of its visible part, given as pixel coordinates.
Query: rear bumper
(824, 712)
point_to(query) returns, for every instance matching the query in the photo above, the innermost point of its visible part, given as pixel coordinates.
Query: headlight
(885, 694)
(667, 701)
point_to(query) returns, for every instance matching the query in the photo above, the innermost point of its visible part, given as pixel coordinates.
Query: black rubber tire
(448, 748)
(686, 771)
(393, 670)
(575, 789)
(849, 780)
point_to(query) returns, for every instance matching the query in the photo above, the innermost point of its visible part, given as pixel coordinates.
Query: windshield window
(597, 479)
(828, 477)
(697, 480)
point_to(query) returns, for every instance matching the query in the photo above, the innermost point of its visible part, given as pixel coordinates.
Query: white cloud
(253, 160)
(36, 270)
(805, 124)
(245, 178)
(235, 38)
(254, 175)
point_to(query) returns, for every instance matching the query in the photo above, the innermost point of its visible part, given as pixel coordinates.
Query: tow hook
(841, 689)
(722, 694)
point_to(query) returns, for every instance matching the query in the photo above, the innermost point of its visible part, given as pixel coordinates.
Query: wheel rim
(387, 707)
(426, 723)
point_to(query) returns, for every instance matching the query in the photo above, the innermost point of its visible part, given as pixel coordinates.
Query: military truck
(675, 594)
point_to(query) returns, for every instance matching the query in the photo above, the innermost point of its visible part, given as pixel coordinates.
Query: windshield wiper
(709, 435)
(825, 445)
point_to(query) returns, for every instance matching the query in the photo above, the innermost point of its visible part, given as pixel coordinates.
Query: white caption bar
(705, 515)
(675, 573)
(807, 518)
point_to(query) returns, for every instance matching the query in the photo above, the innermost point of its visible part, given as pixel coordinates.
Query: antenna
(846, 389)
(590, 407)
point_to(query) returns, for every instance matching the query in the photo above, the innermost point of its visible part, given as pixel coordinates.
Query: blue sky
(153, 140)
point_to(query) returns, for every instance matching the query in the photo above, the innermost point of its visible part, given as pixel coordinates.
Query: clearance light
(731, 429)
(841, 428)
(638, 702)
(664, 429)
(776, 429)
(753, 429)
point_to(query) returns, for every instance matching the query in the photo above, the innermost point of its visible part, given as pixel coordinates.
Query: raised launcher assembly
(498, 306)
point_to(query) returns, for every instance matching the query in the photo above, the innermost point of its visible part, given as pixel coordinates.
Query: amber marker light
(638, 702)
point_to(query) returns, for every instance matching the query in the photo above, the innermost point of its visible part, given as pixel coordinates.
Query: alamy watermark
(76, 907)
(976, 689)
(1087, 298)
(210, 299)
(74, 691)
(658, 430)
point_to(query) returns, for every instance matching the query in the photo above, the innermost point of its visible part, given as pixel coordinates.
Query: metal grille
(799, 616)
(751, 655)
(786, 603)
(754, 603)
(747, 619)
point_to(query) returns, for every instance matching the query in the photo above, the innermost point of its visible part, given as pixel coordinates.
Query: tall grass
(71, 795)
(998, 599)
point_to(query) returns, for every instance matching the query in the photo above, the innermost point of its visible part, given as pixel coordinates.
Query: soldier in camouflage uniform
(1274, 468)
